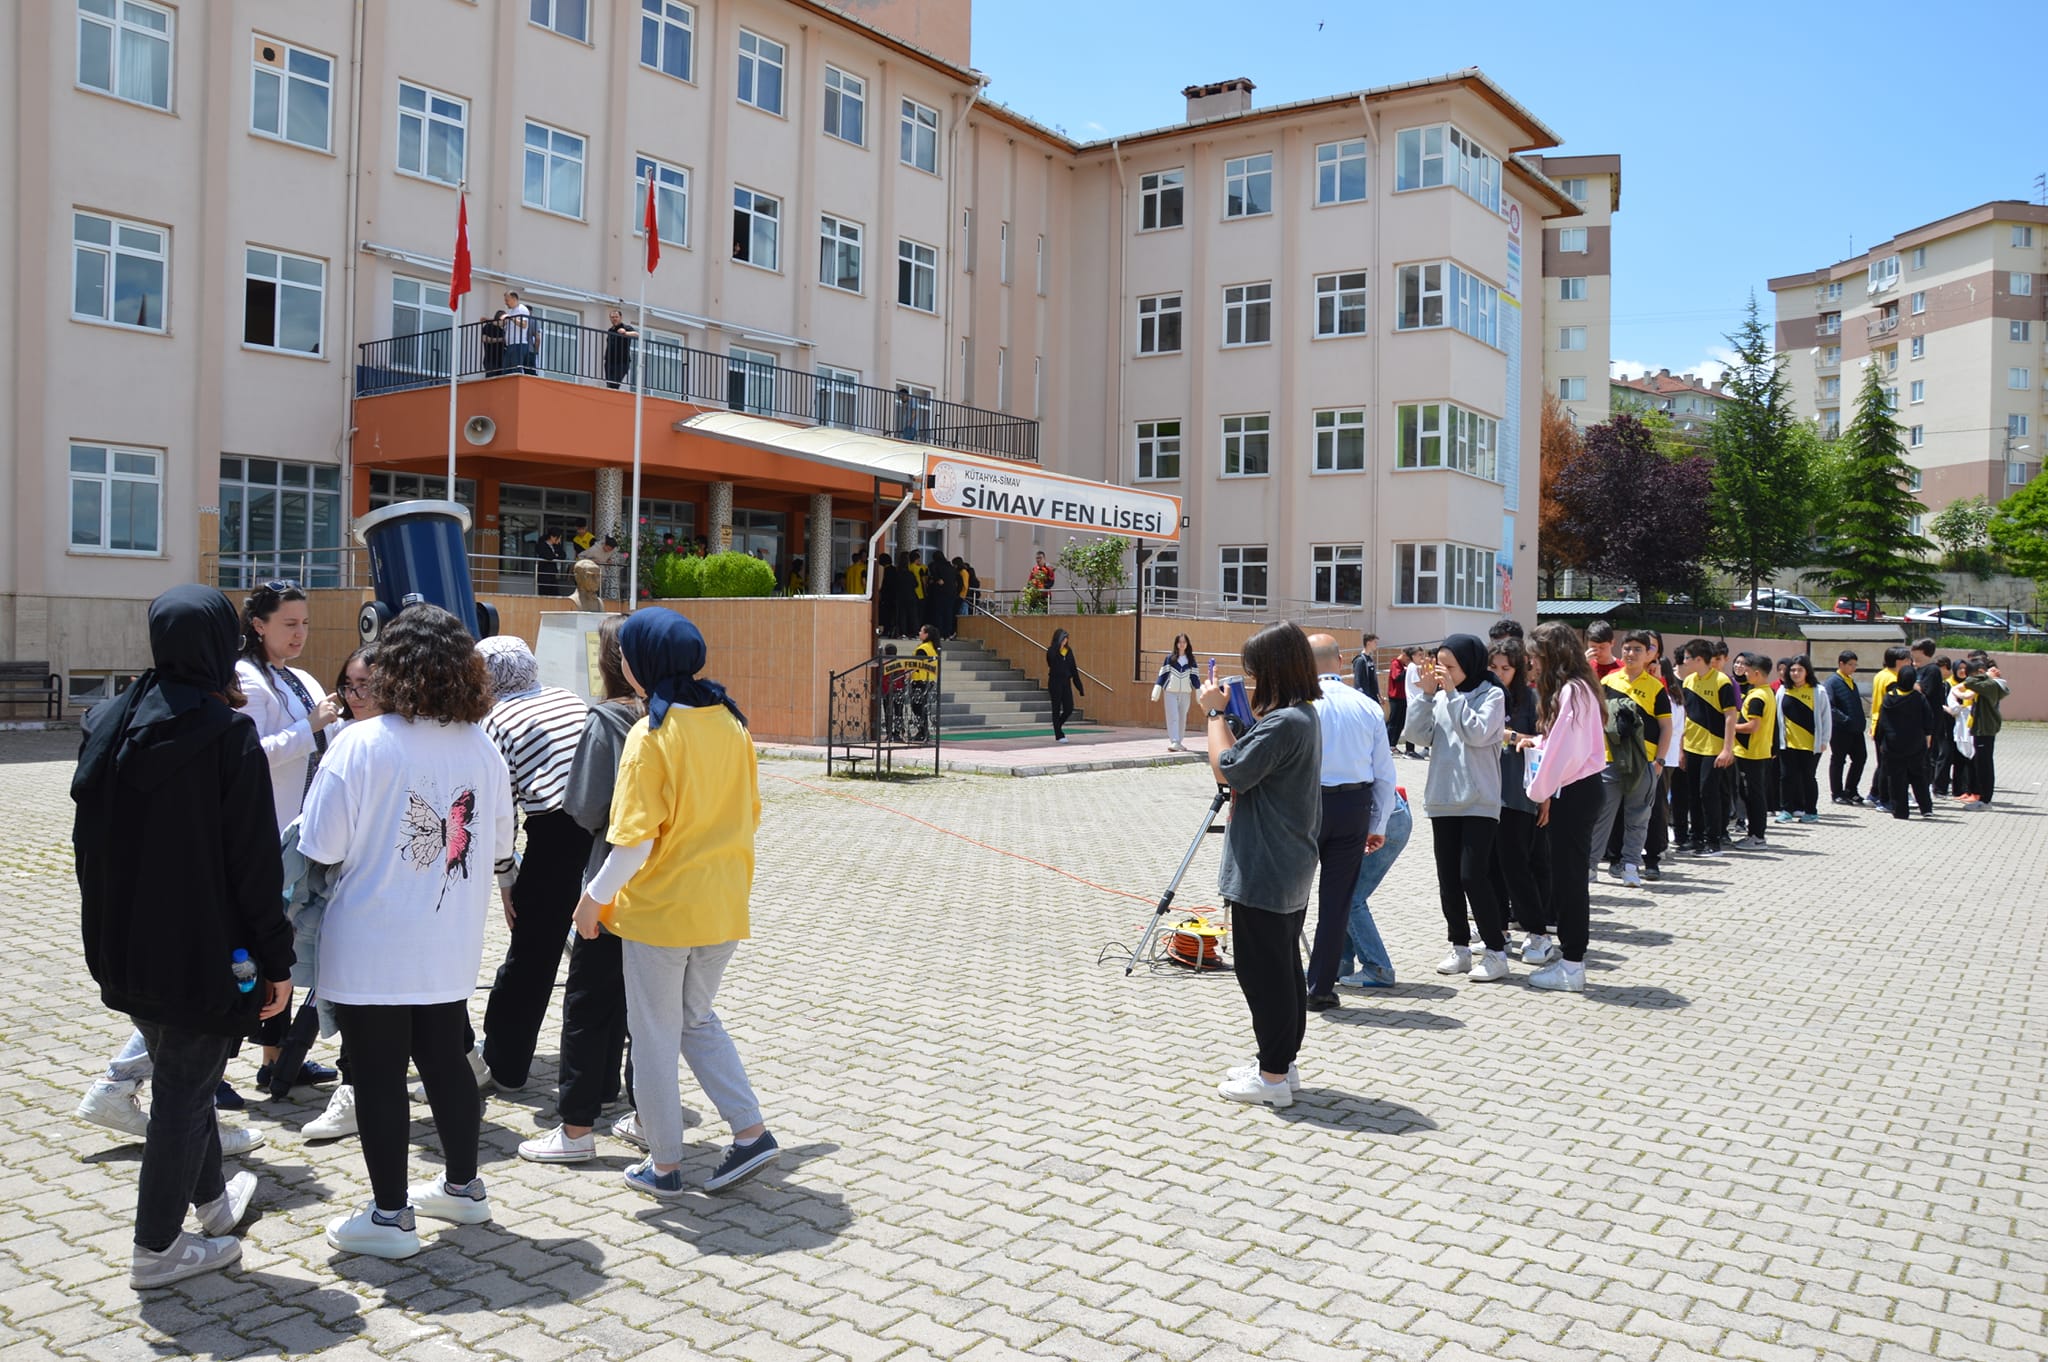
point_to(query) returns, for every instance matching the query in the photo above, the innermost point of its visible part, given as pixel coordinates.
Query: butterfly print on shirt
(431, 838)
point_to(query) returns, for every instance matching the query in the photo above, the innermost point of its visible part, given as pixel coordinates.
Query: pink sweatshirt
(1574, 748)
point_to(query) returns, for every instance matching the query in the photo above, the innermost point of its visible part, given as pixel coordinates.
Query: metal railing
(982, 608)
(1185, 603)
(492, 574)
(571, 353)
(881, 706)
(1881, 326)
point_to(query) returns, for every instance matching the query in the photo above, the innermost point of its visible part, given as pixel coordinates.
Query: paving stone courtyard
(1798, 1114)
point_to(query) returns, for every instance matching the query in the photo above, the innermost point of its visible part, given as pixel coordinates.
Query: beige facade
(1578, 286)
(218, 203)
(1953, 315)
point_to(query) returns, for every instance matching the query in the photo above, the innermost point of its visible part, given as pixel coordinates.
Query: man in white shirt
(518, 324)
(1358, 766)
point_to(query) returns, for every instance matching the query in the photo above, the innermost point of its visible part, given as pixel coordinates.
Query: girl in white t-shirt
(413, 808)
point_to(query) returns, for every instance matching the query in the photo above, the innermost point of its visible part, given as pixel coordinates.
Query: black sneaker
(1650, 871)
(1322, 1002)
(225, 1098)
(310, 1075)
(742, 1162)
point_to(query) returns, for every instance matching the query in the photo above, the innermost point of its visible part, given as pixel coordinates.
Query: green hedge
(676, 576)
(737, 574)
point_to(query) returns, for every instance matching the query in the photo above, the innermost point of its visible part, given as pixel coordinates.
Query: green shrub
(737, 574)
(676, 577)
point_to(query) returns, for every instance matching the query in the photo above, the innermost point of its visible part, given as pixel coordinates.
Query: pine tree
(1764, 480)
(1870, 548)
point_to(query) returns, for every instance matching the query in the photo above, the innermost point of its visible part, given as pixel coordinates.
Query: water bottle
(244, 970)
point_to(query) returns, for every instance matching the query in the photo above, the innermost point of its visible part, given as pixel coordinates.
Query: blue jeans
(1363, 945)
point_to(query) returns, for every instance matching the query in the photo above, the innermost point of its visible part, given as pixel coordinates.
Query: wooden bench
(26, 683)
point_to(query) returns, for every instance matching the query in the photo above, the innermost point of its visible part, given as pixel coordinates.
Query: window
(570, 18)
(124, 50)
(1919, 303)
(419, 326)
(1441, 435)
(1917, 347)
(1043, 265)
(1571, 390)
(2018, 378)
(118, 271)
(1340, 172)
(1918, 390)
(1455, 575)
(756, 228)
(1833, 292)
(1915, 524)
(2019, 331)
(559, 333)
(1831, 387)
(1248, 185)
(2020, 284)
(433, 130)
(1159, 324)
(967, 252)
(2015, 473)
(663, 359)
(1003, 253)
(760, 72)
(1162, 577)
(290, 92)
(554, 170)
(1428, 157)
(1891, 398)
(2016, 425)
(281, 519)
(1571, 338)
(846, 107)
(1882, 274)
(1916, 436)
(1340, 304)
(917, 275)
(1574, 188)
(1243, 574)
(1159, 199)
(1830, 421)
(282, 301)
(1571, 240)
(838, 396)
(667, 34)
(2023, 237)
(1340, 440)
(839, 254)
(750, 379)
(1246, 446)
(1339, 573)
(1417, 570)
(116, 499)
(1891, 359)
(919, 137)
(1919, 258)
(1831, 323)
(1158, 451)
(1831, 355)
(671, 200)
(1572, 290)
(1247, 314)
(1474, 304)
(84, 689)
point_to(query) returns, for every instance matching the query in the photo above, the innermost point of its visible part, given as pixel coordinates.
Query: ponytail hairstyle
(261, 604)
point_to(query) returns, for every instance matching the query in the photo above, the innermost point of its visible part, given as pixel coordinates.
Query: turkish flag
(653, 230)
(458, 283)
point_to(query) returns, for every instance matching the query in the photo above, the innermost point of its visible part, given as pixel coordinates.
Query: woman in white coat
(1175, 688)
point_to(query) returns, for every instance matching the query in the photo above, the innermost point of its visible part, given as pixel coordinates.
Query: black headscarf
(193, 632)
(1471, 655)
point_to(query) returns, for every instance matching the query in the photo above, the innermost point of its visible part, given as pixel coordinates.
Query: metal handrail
(981, 608)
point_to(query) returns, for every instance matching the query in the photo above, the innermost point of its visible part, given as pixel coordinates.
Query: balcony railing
(570, 353)
(1881, 326)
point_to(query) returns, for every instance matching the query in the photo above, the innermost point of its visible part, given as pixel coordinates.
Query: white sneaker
(436, 1200)
(115, 1106)
(1539, 950)
(1459, 961)
(188, 1256)
(238, 1140)
(1631, 878)
(338, 1120)
(1490, 967)
(361, 1233)
(627, 1128)
(1560, 977)
(1243, 1087)
(559, 1146)
(1293, 1074)
(226, 1211)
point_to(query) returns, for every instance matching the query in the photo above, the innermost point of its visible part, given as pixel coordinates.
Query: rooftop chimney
(1224, 99)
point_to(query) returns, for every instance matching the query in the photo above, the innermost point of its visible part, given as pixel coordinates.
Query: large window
(1159, 199)
(846, 106)
(1243, 574)
(283, 301)
(560, 333)
(124, 50)
(1881, 274)
(1158, 451)
(290, 93)
(1456, 575)
(2020, 284)
(1426, 158)
(838, 253)
(917, 275)
(919, 142)
(419, 326)
(760, 72)
(1571, 240)
(838, 396)
(570, 18)
(750, 379)
(1340, 440)
(1247, 445)
(280, 519)
(1162, 577)
(1340, 304)
(1247, 314)
(1248, 185)
(668, 32)
(433, 130)
(1442, 294)
(756, 228)
(118, 271)
(671, 200)
(1159, 324)
(554, 170)
(1339, 573)
(1442, 435)
(116, 499)
(1340, 172)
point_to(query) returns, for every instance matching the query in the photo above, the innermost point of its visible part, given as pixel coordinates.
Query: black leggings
(1464, 870)
(380, 1040)
(1573, 810)
(543, 900)
(1265, 952)
(1521, 869)
(1062, 707)
(593, 1030)
(1799, 779)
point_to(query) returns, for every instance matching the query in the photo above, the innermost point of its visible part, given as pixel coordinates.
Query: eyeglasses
(357, 688)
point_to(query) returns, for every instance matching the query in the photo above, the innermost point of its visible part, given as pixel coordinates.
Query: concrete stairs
(982, 691)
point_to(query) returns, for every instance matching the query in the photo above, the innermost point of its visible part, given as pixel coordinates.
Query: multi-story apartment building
(228, 254)
(1578, 285)
(1952, 314)
(1691, 403)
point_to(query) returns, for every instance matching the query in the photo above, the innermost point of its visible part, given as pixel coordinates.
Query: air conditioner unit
(479, 430)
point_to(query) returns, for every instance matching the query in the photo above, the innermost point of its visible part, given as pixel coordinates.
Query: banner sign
(1035, 497)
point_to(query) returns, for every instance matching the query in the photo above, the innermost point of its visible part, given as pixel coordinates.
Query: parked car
(1861, 611)
(1777, 603)
(1967, 619)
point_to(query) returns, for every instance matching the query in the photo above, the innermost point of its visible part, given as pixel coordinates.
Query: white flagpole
(639, 400)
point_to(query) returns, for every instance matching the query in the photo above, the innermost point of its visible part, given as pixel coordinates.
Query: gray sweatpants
(1633, 804)
(669, 990)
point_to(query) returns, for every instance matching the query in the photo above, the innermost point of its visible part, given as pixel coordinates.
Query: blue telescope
(417, 555)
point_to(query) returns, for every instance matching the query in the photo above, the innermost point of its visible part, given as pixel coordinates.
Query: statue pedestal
(567, 652)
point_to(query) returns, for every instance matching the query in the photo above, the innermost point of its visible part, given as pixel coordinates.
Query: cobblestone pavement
(1796, 1116)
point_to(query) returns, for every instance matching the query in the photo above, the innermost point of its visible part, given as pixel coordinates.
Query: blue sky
(1757, 139)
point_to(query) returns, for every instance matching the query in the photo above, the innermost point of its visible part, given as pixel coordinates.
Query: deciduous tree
(1557, 549)
(1639, 515)
(2018, 529)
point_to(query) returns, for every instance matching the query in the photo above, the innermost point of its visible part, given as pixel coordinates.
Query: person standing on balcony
(1062, 682)
(552, 556)
(618, 349)
(518, 324)
(493, 333)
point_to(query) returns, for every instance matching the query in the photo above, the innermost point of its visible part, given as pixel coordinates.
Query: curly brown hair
(428, 668)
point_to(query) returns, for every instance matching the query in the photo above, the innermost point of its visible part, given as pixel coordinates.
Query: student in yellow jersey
(1640, 710)
(1756, 726)
(1709, 725)
(1880, 687)
(1805, 727)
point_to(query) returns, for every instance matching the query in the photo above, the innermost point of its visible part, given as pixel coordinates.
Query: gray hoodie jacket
(1463, 731)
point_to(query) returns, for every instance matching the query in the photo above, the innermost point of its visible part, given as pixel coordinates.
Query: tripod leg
(1166, 899)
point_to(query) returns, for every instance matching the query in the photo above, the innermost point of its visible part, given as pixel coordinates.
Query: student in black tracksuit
(1905, 730)
(1062, 681)
(1845, 744)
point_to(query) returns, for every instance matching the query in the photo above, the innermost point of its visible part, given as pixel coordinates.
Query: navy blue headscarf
(665, 650)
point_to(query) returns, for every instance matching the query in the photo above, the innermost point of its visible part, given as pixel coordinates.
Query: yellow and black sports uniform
(1753, 754)
(1699, 813)
(1708, 694)
(1801, 727)
(1652, 699)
